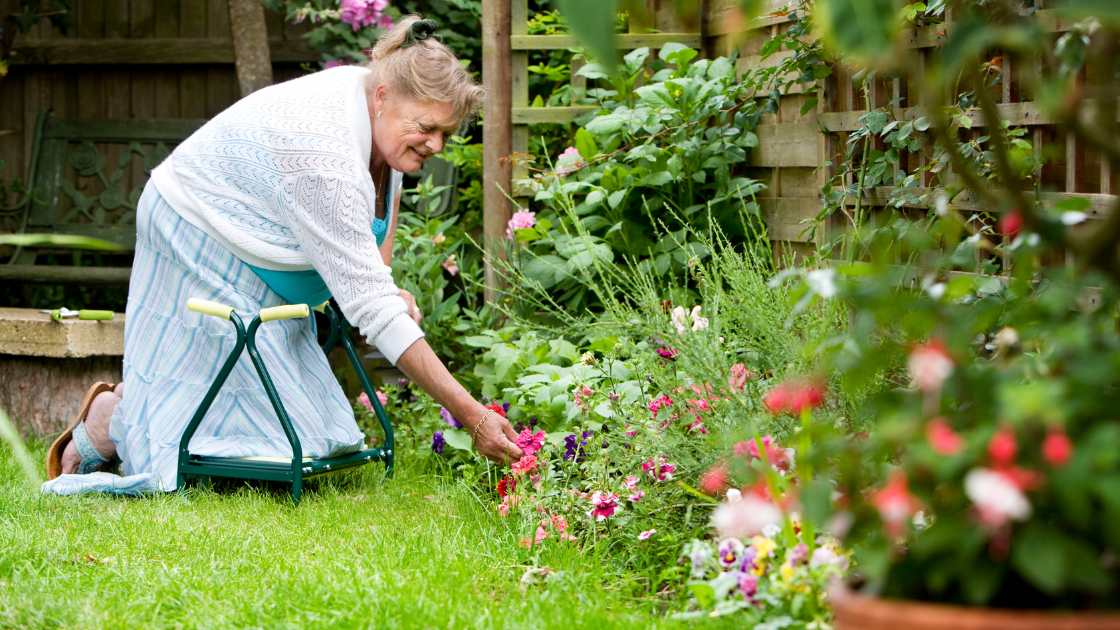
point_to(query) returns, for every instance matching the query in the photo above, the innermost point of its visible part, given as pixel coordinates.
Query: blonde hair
(410, 62)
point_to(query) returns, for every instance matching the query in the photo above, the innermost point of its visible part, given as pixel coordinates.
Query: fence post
(250, 45)
(496, 135)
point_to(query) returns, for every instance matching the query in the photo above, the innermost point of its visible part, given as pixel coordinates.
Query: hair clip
(419, 31)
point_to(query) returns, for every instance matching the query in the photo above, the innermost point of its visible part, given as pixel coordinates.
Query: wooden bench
(85, 178)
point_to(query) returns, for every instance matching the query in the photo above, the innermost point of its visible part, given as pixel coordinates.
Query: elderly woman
(289, 196)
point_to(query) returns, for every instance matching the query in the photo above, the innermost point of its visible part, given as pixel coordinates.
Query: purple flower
(798, 554)
(746, 563)
(451, 420)
(438, 443)
(333, 63)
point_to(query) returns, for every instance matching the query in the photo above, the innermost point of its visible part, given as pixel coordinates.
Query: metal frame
(298, 469)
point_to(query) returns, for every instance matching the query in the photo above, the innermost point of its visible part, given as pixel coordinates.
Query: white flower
(997, 498)
(734, 495)
(929, 365)
(745, 518)
(698, 323)
(822, 282)
(679, 316)
(1073, 217)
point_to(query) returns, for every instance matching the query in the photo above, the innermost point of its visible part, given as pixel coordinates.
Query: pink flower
(636, 496)
(738, 376)
(522, 219)
(1057, 448)
(526, 464)
(659, 403)
(748, 584)
(745, 516)
(929, 365)
(333, 63)
(362, 13)
(646, 535)
(569, 162)
(530, 442)
(451, 265)
(660, 470)
(714, 481)
(667, 352)
(778, 457)
(363, 399)
(700, 404)
(631, 482)
(1002, 448)
(604, 505)
(794, 397)
(503, 508)
(942, 437)
(996, 498)
(895, 503)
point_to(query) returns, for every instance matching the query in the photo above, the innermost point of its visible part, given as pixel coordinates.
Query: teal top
(307, 287)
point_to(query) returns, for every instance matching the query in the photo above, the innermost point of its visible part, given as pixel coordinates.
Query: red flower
(498, 409)
(506, 485)
(1010, 223)
(942, 437)
(895, 503)
(714, 481)
(794, 397)
(1057, 448)
(1002, 448)
(526, 464)
(777, 456)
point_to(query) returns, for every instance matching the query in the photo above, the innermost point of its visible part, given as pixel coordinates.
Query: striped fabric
(173, 355)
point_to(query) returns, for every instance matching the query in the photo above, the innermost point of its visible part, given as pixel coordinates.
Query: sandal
(91, 459)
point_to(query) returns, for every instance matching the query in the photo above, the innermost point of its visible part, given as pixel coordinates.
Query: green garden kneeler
(298, 468)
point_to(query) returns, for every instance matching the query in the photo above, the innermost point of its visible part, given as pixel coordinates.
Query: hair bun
(418, 31)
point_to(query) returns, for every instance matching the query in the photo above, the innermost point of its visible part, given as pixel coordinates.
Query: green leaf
(457, 439)
(478, 341)
(677, 54)
(604, 125)
(585, 144)
(861, 29)
(59, 240)
(592, 22)
(1039, 555)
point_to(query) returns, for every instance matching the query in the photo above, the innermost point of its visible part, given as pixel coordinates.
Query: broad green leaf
(585, 144)
(59, 240)
(677, 54)
(604, 125)
(1039, 555)
(457, 439)
(592, 22)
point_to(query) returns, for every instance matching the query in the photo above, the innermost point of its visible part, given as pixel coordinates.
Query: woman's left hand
(413, 309)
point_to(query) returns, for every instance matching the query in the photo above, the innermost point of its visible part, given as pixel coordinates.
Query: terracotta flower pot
(854, 611)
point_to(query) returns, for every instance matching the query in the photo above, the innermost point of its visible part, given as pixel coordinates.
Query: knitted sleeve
(330, 218)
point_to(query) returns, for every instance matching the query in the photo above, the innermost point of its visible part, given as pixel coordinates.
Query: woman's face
(405, 131)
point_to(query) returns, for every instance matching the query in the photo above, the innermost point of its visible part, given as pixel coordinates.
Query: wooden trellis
(505, 71)
(796, 151)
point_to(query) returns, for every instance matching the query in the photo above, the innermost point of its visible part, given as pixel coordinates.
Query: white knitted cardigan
(282, 179)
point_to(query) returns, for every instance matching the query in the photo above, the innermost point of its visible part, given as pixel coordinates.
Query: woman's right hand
(494, 437)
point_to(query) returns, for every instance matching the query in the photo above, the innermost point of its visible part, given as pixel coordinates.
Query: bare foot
(97, 428)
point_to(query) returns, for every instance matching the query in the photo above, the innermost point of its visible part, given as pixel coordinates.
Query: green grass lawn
(419, 550)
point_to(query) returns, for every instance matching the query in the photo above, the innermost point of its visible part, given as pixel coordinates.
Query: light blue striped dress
(173, 355)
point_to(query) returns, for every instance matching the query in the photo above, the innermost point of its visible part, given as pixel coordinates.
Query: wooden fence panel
(128, 59)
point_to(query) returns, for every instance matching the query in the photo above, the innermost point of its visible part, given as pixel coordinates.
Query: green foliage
(660, 156)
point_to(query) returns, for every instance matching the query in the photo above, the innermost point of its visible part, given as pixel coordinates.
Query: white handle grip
(206, 307)
(288, 311)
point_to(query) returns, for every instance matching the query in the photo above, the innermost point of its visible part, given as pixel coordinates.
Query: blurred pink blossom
(522, 219)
